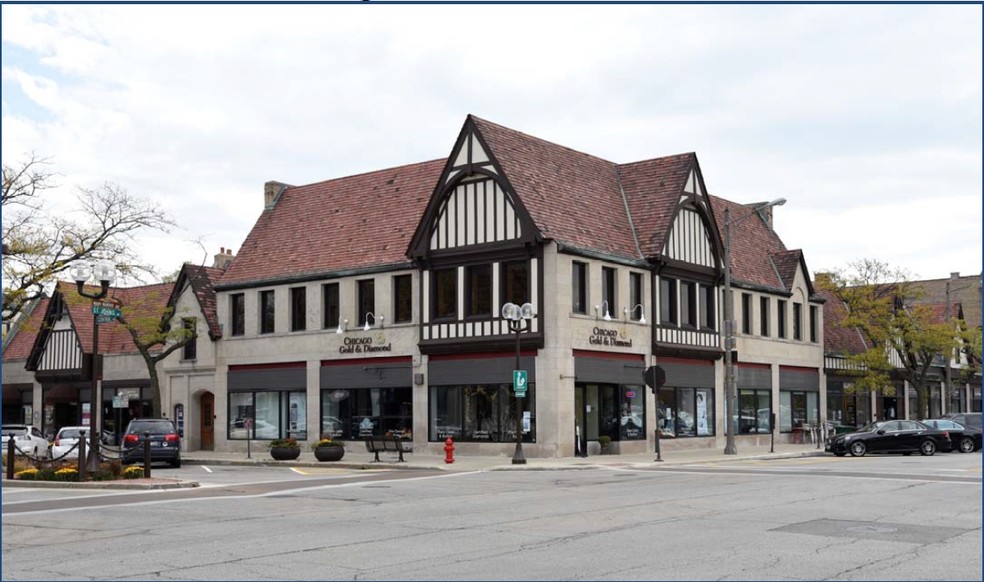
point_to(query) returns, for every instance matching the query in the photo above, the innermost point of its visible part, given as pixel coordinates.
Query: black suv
(165, 444)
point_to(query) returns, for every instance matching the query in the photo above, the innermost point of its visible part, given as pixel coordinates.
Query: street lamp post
(519, 321)
(731, 396)
(105, 272)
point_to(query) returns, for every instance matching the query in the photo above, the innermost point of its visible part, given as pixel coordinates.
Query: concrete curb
(119, 484)
(309, 464)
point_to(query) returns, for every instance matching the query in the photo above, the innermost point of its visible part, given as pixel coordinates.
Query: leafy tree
(905, 336)
(39, 245)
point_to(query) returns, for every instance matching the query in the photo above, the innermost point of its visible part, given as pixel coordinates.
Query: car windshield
(14, 429)
(68, 433)
(151, 426)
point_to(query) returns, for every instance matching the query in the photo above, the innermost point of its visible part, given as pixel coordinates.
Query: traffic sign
(519, 383)
(106, 310)
(654, 377)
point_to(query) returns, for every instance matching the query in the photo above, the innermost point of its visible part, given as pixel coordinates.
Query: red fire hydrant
(449, 451)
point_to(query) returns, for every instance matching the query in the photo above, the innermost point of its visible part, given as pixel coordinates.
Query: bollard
(449, 451)
(10, 456)
(82, 455)
(146, 445)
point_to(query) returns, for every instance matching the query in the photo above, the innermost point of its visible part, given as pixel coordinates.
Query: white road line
(206, 468)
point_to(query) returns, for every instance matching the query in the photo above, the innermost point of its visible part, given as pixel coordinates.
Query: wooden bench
(388, 444)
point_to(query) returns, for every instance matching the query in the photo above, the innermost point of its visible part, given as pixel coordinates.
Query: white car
(66, 442)
(27, 440)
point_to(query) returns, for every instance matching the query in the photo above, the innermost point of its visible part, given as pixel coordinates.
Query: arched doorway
(208, 421)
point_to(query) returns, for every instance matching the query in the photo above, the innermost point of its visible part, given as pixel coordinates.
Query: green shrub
(133, 472)
(66, 474)
(27, 474)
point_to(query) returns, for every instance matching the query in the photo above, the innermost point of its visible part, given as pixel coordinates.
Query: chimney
(766, 214)
(272, 191)
(955, 275)
(223, 259)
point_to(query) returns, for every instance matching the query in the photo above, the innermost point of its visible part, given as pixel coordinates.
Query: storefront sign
(608, 337)
(129, 393)
(365, 345)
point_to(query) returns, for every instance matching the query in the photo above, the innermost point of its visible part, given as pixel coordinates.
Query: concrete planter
(285, 453)
(329, 453)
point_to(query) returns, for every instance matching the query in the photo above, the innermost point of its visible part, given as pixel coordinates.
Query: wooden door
(208, 421)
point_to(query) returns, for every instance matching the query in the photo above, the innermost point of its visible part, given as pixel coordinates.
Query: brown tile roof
(339, 225)
(753, 247)
(145, 303)
(203, 280)
(574, 198)
(652, 188)
(20, 346)
(838, 339)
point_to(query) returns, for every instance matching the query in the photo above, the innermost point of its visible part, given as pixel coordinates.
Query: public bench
(388, 444)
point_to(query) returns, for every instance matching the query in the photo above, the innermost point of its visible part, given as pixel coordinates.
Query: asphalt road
(908, 518)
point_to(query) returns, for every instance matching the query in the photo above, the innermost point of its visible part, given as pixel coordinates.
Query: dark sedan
(965, 439)
(890, 436)
(165, 444)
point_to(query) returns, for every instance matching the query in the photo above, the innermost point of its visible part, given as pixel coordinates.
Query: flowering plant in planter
(326, 442)
(287, 443)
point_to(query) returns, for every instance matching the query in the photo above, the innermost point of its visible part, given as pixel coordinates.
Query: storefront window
(267, 415)
(686, 412)
(363, 412)
(479, 413)
(755, 410)
(633, 418)
(797, 410)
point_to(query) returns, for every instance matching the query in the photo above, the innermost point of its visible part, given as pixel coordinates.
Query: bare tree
(39, 245)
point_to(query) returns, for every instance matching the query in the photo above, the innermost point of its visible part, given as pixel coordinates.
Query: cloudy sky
(867, 119)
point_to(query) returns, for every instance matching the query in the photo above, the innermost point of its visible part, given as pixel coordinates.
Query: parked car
(28, 440)
(66, 442)
(968, 419)
(964, 439)
(165, 444)
(890, 436)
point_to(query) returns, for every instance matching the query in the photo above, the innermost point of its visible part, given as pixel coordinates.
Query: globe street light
(731, 397)
(519, 321)
(105, 272)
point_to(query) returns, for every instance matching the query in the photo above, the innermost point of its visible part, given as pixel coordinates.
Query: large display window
(355, 413)
(686, 412)
(267, 415)
(798, 410)
(480, 413)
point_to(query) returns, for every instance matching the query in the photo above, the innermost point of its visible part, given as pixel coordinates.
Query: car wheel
(966, 445)
(858, 449)
(927, 448)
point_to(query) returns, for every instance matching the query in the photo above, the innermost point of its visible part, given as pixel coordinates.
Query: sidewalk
(464, 463)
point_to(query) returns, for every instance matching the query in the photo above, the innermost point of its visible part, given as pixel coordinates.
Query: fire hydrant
(449, 451)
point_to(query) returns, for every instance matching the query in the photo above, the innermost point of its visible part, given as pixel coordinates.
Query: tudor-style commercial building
(372, 304)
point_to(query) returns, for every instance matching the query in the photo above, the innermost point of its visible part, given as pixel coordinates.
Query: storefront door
(207, 423)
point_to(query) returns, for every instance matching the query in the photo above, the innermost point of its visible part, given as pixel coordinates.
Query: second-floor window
(579, 287)
(707, 320)
(746, 313)
(298, 308)
(478, 291)
(635, 296)
(366, 302)
(609, 291)
(237, 308)
(515, 282)
(667, 300)
(797, 321)
(330, 309)
(813, 323)
(267, 311)
(402, 298)
(764, 314)
(445, 293)
(190, 349)
(781, 319)
(688, 304)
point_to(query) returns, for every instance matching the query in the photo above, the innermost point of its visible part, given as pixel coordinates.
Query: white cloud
(856, 114)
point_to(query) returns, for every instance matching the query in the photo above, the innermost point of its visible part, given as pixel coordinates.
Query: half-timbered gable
(478, 248)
